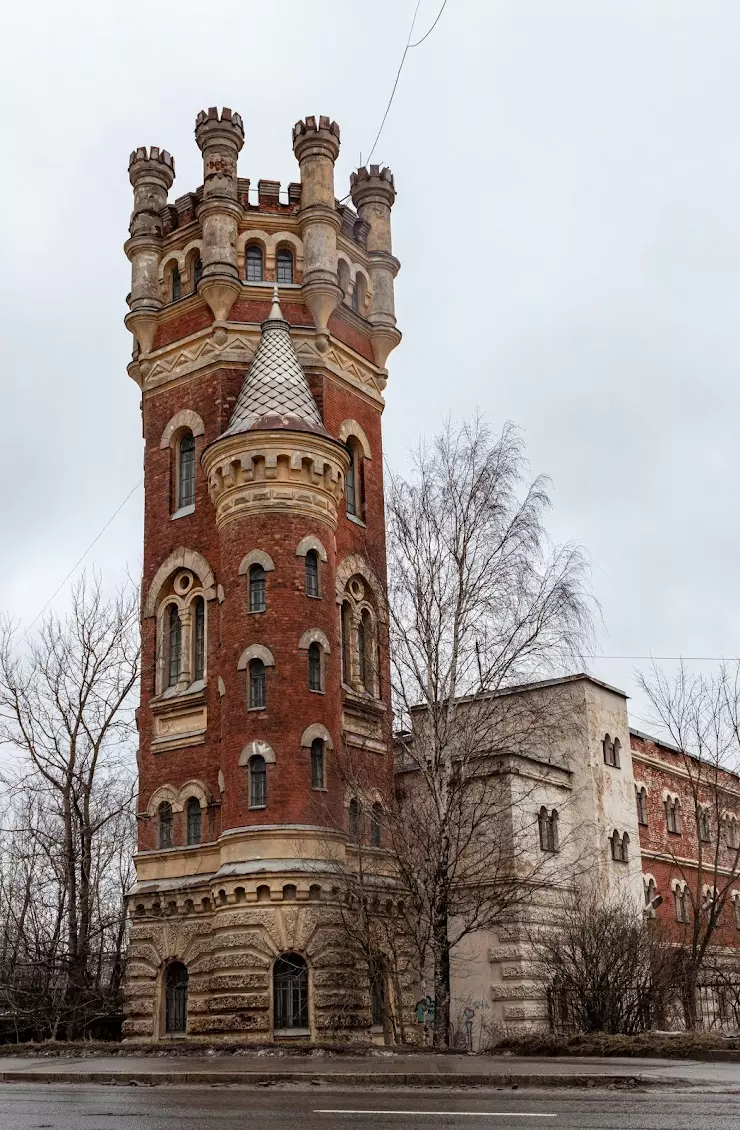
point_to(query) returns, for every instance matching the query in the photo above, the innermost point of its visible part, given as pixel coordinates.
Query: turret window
(254, 263)
(199, 638)
(186, 471)
(353, 820)
(164, 815)
(257, 588)
(548, 828)
(317, 764)
(284, 264)
(375, 819)
(312, 573)
(354, 490)
(174, 641)
(194, 821)
(257, 782)
(346, 626)
(175, 284)
(257, 685)
(315, 682)
(197, 272)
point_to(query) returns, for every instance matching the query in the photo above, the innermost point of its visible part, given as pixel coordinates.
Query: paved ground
(78, 1107)
(363, 1070)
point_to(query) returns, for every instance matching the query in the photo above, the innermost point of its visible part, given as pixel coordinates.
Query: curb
(334, 1079)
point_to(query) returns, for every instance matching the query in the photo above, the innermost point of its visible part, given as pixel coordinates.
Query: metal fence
(716, 1008)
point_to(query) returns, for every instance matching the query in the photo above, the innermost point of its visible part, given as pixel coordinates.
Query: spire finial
(276, 314)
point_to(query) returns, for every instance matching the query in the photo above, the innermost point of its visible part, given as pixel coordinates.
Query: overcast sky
(568, 176)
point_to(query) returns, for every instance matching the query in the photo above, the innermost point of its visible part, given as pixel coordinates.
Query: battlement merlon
(220, 137)
(316, 147)
(151, 172)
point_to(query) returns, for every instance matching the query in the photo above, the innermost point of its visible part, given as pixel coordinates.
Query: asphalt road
(95, 1107)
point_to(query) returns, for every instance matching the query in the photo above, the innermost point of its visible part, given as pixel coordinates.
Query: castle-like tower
(262, 325)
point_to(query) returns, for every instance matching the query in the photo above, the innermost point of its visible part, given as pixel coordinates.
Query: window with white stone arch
(179, 436)
(182, 635)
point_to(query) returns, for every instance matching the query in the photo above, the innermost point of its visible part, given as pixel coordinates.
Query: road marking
(446, 1113)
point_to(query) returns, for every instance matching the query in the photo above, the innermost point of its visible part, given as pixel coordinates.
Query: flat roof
(517, 688)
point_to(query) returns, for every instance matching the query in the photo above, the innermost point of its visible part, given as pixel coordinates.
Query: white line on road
(446, 1113)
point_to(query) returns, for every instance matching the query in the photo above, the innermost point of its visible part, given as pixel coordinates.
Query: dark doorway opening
(176, 997)
(290, 986)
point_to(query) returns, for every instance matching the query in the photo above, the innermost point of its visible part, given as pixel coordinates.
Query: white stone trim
(185, 418)
(255, 651)
(310, 542)
(669, 796)
(181, 558)
(257, 749)
(256, 557)
(316, 731)
(350, 428)
(314, 635)
(352, 564)
(164, 792)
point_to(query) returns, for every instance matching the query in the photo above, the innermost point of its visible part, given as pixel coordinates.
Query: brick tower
(262, 325)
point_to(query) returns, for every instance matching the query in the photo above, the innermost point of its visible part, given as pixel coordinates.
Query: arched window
(548, 829)
(703, 822)
(736, 906)
(312, 573)
(377, 997)
(317, 764)
(164, 817)
(673, 815)
(608, 746)
(731, 832)
(257, 685)
(284, 263)
(194, 821)
(199, 638)
(356, 298)
(641, 799)
(175, 284)
(353, 817)
(364, 650)
(176, 997)
(186, 471)
(197, 272)
(353, 482)
(650, 891)
(314, 667)
(257, 782)
(290, 992)
(681, 903)
(254, 263)
(620, 847)
(257, 589)
(376, 815)
(174, 644)
(617, 747)
(343, 274)
(346, 626)
(359, 294)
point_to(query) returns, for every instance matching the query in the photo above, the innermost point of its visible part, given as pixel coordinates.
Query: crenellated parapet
(151, 172)
(373, 194)
(220, 137)
(316, 146)
(276, 471)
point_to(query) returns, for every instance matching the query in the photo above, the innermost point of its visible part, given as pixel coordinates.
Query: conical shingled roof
(275, 393)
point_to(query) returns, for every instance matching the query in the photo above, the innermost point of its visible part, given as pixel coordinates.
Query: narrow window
(317, 764)
(736, 905)
(704, 832)
(284, 266)
(554, 835)
(257, 688)
(616, 845)
(194, 821)
(624, 849)
(377, 998)
(197, 272)
(174, 639)
(199, 638)
(290, 992)
(542, 822)
(346, 644)
(312, 573)
(616, 749)
(353, 816)
(257, 589)
(353, 483)
(356, 297)
(314, 667)
(350, 485)
(680, 901)
(641, 797)
(375, 819)
(176, 997)
(608, 750)
(186, 471)
(176, 288)
(254, 263)
(362, 650)
(257, 782)
(164, 813)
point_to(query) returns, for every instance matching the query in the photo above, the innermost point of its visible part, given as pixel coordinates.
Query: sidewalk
(383, 1070)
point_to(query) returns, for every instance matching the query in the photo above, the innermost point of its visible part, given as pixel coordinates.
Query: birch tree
(478, 600)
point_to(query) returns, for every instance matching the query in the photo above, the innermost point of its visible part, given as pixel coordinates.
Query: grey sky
(568, 222)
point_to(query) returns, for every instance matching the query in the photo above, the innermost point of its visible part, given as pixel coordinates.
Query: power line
(671, 658)
(431, 29)
(82, 558)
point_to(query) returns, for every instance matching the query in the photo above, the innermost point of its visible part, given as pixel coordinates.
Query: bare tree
(478, 601)
(67, 722)
(701, 715)
(604, 968)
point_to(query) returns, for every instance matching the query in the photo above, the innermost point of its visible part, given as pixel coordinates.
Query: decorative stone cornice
(278, 471)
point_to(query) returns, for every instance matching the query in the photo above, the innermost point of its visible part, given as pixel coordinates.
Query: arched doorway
(290, 993)
(176, 997)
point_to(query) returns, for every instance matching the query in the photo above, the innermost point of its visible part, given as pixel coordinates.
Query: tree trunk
(441, 950)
